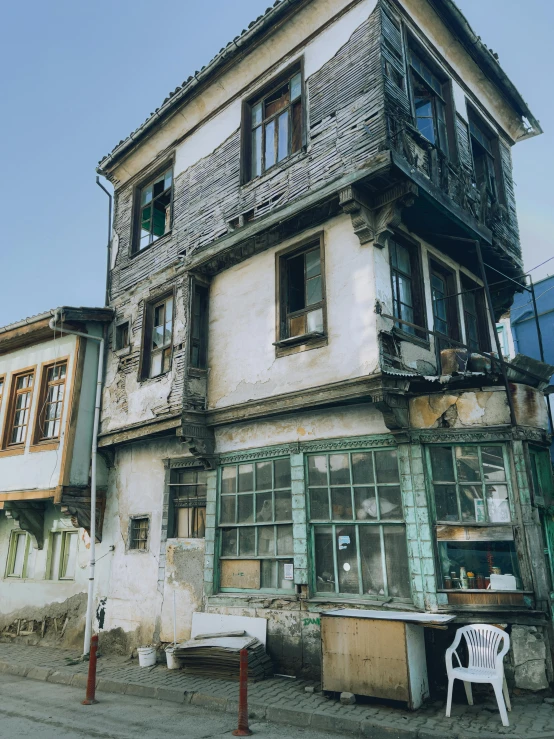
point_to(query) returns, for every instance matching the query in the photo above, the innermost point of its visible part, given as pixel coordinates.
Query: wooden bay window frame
(199, 322)
(485, 154)
(2, 385)
(157, 337)
(408, 295)
(476, 324)
(14, 414)
(444, 301)
(52, 393)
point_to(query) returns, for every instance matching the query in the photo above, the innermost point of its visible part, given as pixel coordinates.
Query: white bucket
(173, 662)
(147, 656)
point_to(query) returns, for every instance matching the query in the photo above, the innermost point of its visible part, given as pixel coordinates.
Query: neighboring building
(294, 228)
(523, 324)
(47, 394)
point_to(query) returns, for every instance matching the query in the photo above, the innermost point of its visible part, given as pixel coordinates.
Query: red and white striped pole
(243, 729)
(91, 679)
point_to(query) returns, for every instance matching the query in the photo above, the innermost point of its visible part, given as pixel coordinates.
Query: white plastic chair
(486, 646)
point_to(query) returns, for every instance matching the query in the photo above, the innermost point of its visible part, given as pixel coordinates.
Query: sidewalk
(284, 701)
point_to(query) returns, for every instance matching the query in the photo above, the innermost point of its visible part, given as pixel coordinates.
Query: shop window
(139, 532)
(407, 298)
(62, 555)
(273, 125)
(445, 306)
(158, 338)
(430, 102)
(255, 526)
(302, 295)
(358, 535)
(188, 497)
(18, 554)
(199, 327)
(19, 409)
(154, 209)
(50, 405)
(475, 317)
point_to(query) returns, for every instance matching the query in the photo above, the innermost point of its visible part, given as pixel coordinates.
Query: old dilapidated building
(299, 232)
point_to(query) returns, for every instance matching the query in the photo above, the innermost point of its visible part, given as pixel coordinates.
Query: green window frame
(541, 475)
(470, 483)
(357, 529)
(255, 524)
(18, 554)
(63, 546)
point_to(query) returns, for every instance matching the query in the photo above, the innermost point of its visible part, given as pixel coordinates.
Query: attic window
(154, 209)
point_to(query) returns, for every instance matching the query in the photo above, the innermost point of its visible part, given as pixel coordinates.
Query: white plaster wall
(35, 470)
(345, 421)
(244, 77)
(242, 360)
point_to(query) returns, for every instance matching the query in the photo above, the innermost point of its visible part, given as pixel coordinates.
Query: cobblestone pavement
(284, 701)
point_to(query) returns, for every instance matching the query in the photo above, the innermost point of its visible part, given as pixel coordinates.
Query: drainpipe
(109, 257)
(92, 552)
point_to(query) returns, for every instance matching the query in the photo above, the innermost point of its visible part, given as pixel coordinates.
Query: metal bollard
(91, 679)
(243, 729)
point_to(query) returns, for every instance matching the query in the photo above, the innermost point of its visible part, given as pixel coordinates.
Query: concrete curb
(318, 720)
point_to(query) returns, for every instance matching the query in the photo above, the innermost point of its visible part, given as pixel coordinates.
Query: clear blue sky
(79, 76)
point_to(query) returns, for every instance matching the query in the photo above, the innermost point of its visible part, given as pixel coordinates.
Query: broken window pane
(467, 464)
(493, 463)
(390, 502)
(155, 213)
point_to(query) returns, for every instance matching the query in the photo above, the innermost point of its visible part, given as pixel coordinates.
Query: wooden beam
(28, 495)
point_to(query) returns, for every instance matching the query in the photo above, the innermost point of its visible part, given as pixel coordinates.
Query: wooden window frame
(131, 539)
(201, 343)
(264, 525)
(64, 534)
(146, 348)
(378, 523)
(137, 207)
(118, 329)
(19, 447)
(285, 345)
(246, 125)
(482, 315)
(475, 118)
(436, 267)
(3, 379)
(37, 439)
(418, 290)
(12, 551)
(192, 502)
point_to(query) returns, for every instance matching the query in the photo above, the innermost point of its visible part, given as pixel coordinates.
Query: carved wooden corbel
(198, 438)
(75, 504)
(394, 408)
(29, 516)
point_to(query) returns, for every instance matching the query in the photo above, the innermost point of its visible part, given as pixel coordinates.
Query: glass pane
(282, 473)
(315, 321)
(324, 567)
(256, 114)
(404, 291)
(266, 540)
(341, 504)
(390, 502)
(362, 468)
(269, 574)
(283, 144)
(146, 196)
(245, 508)
(283, 506)
(297, 326)
(339, 469)
(445, 503)
(263, 476)
(285, 583)
(70, 555)
(277, 101)
(480, 558)
(365, 503)
(168, 179)
(284, 540)
(56, 544)
(370, 552)
(157, 336)
(246, 478)
(296, 86)
(313, 263)
(472, 504)
(441, 463)
(228, 509)
(257, 152)
(317, 470)
(229, 480)
(467, 464)
(347, 559)
(386, 466)
(493, 463)
(498, 508)
(314, 291)
(319, 504)
(247, 540)
(270, 144)
(228, 542)
(19, 560)
(396, 560)
(264, 507)
(156, 368)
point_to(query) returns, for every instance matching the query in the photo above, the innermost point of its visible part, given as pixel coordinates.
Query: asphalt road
(41, 710)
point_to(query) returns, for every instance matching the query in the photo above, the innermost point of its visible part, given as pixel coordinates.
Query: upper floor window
(484, 147)
(18, 554)
(1, 389)
(21, 393)
(274, 125)
(302, 293)
(475, 317)
(445, 312)
(199, 327)
(62, 555)
(50, 405)
(154, 209)
(158, 338)
(407, 300)
(122, 336)
(430, 101)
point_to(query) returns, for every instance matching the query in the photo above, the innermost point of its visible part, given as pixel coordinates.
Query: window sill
(197, 372)
(123, 352)
(388, 601)
(300, 343)
(12, 452)
(282, 594)
(44, 446)
(405, 336)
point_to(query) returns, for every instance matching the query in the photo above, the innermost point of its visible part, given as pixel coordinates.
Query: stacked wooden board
(219, 656)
